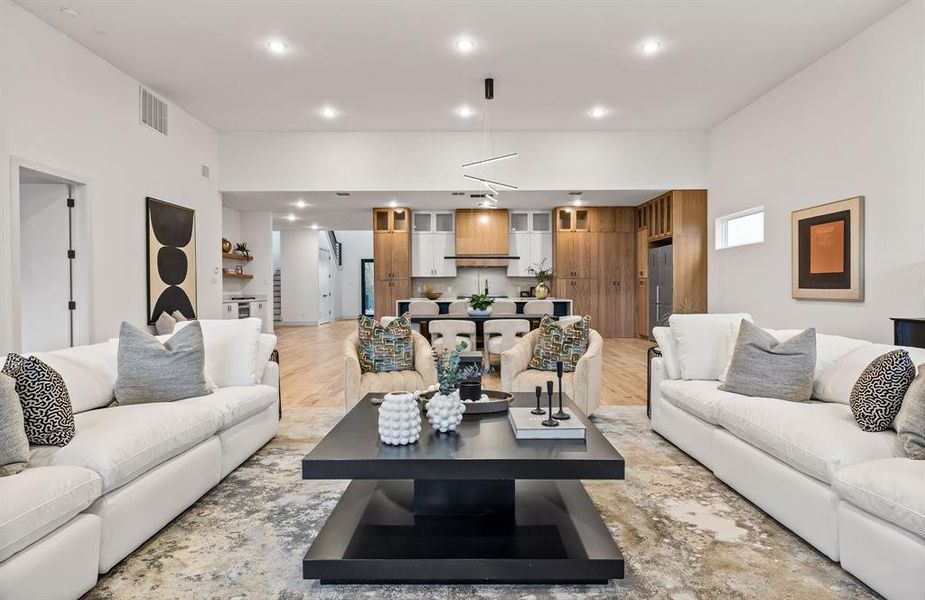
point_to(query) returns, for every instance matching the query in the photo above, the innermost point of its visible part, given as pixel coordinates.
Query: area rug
(684, 534)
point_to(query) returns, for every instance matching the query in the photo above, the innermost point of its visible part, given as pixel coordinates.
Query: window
(741, 228)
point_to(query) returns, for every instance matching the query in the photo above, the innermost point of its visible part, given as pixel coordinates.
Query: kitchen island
(561, 306)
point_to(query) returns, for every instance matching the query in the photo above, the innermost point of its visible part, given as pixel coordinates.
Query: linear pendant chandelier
(490, 184)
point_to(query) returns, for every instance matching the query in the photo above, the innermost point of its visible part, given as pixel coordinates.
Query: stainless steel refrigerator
(660, 287)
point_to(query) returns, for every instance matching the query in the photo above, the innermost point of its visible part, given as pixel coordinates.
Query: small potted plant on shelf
(241, 248)
(543, 275)
(480, 305)
(445, 408)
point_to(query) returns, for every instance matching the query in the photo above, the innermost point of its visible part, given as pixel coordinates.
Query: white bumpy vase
(399, 419)
(445, 411)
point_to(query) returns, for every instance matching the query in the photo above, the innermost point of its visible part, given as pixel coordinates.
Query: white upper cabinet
(433, 238)
(530, 239)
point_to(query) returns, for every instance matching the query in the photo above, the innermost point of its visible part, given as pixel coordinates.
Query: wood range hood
(482, 238)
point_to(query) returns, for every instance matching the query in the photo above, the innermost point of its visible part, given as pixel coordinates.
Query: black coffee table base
(437, 532)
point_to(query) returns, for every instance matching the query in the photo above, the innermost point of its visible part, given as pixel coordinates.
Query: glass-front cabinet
(530, 239)
(389, 220)
(433, 238)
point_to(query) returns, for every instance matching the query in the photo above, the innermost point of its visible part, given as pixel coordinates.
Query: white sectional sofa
(851, 494)
(78, 510)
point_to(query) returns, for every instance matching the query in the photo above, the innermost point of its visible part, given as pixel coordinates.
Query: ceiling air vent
(152, 111)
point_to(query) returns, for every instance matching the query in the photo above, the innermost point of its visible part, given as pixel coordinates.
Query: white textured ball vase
(445, 411)
(399, 419)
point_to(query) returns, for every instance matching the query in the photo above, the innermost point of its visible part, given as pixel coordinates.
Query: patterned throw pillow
(556, 343)
(878, 394)
(382, 349)
(46, 406)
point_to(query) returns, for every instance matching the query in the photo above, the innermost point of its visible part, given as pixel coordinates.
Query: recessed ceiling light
(277, 46)
(300, 203)
(465, 45)
(328, 112)
(290, 217)
(67, 10)
(393, 203)
(465, 111)
(577, 201)
(315, 226)
(651, 47)
(598, 112)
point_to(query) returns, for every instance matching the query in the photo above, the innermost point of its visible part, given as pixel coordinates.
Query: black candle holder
(550, 422)
(561, 415)
(539, 395)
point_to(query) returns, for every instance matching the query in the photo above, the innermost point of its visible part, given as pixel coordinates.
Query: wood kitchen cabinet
(617, 293)
(573, 219)
(391, 257)
(576, 254)
(584, 296)
(481, 232)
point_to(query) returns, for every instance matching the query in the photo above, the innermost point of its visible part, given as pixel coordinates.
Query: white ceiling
(330, 211)
(392, 64)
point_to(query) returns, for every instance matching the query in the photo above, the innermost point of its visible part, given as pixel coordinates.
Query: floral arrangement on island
(543, 275)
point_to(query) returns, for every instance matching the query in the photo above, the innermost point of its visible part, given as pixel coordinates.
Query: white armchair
(357, 384)
(583, 385)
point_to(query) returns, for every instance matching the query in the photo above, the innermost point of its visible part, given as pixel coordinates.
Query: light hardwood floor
(311, 366)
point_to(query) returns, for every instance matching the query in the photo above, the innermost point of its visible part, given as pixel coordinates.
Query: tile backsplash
(468, 280)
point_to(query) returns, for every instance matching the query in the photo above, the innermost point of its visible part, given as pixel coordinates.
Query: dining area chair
(446, 334)
(500, 335)
(504, 307)
(458, 307)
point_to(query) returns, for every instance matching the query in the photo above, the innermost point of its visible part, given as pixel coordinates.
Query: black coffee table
(476, 506)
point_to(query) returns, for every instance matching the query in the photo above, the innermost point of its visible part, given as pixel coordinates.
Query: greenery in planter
(449, 373)
(541, 271)
(481, 301)
(241, 248)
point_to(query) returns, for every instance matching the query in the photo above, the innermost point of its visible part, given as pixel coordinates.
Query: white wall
(45, 279)
(257, 231)
(853, 123)
(306, 161)
(231, 225)
(299, 276)
(67, 108)
(356, 245)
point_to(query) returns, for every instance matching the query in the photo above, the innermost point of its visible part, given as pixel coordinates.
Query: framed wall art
(828, 251)
(171, 243)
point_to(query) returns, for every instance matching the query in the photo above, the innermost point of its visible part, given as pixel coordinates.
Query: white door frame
(10, 240)
(325, 305)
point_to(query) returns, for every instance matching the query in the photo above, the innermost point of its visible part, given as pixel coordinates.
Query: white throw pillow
(89, 373)
(705, 342)
(231, 349)
(835, 382)
(265, 346)
(669, 350)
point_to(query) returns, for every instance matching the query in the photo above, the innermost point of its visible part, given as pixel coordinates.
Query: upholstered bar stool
(500, 335)
(423, 307)
(458, 307)
(539, 307)
(446, 334)
(504, 307)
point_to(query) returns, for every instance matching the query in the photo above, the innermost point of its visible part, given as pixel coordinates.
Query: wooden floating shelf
(236, 256)
(237, 276)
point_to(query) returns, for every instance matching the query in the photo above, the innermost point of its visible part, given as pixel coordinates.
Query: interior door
(325, 276)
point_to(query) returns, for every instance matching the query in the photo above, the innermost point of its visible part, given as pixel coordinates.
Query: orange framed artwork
(828, 251)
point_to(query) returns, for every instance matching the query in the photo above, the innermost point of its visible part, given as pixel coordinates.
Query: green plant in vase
(241, 248)
(543, 275)
(445, 409)
(480, 304)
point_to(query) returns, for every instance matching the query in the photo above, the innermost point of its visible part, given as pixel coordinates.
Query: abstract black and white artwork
(171, 238)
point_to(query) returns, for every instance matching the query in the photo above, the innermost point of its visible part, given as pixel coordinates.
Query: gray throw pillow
(164, 324)
(762, 366)
(14, 446)
(910, 422)
(149, 371)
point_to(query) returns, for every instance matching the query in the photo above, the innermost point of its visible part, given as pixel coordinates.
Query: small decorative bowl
(432, 295)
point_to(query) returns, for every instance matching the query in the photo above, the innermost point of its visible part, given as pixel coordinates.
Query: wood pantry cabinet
(391, 258)
(595, 262)
(675, 219)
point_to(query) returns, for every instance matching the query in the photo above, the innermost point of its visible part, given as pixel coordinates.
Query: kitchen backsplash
(468, 280)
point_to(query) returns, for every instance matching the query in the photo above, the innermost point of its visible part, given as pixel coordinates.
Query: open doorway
(53, 304)
(325, 286)
(367, 287)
